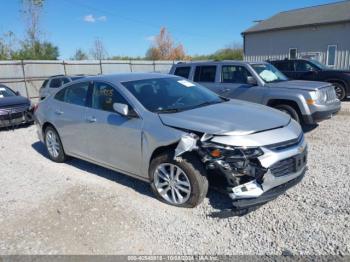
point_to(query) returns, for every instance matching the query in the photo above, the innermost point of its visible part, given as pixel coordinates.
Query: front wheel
(289, 111)
(180, 183)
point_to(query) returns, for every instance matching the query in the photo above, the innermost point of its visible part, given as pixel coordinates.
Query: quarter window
(235, 74)
(331, 53)
(104, 96)
(205, 74)
(183, 71)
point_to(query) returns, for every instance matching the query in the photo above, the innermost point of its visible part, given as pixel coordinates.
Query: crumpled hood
(299, 84)
(6, 102)
(234, 117)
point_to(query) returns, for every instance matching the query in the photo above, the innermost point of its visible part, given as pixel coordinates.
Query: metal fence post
(24, 78)
(64, 68)
(130, 65)
(154, 66)
(101, 67)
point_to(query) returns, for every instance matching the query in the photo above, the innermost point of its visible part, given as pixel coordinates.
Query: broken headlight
(239, 155)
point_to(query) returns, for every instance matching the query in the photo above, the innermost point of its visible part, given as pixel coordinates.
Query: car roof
(239, 62)
(125, 77)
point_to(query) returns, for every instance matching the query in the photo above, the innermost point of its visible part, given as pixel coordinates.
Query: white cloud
(89, 19)
(102, 18)
(92, 19)
(151, 38)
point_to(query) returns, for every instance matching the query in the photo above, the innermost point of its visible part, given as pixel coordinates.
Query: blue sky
(126, 27)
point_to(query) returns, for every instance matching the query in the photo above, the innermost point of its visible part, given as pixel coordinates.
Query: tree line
(33, 47)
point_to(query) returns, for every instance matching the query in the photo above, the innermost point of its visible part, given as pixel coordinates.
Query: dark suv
(303, 69)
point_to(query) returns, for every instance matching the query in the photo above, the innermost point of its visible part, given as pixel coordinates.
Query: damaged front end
(247, 180)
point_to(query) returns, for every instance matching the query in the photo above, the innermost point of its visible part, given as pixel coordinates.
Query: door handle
(58, 112)
(224, 90)
(91, 119)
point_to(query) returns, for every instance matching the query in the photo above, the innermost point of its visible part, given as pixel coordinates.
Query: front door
(234, 84)
(113, 139)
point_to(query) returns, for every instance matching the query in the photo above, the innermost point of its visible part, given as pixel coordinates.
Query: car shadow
(218, 200)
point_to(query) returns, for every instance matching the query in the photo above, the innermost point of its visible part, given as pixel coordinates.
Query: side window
(65, 80)
(183, 71)
(304, 66)
(205, 74)
(60, 95)
(104, 96)
(74, 94)
(234, 74)
(285, 66)
(55, 83)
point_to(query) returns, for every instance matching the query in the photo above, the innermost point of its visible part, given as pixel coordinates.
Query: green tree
(39, 51)
(80, 55)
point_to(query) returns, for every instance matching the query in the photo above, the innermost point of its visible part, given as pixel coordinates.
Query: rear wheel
(339, 90)
(54, 145)
(179, 183)
(290, 111)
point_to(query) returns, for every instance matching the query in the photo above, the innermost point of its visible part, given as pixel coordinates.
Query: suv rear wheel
(290, 111)
(179, 183)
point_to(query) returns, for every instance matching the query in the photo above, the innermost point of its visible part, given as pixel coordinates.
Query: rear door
(206, 75)
(69, 109)
(234, 84)
(113, 139)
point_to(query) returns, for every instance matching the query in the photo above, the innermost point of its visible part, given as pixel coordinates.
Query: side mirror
(123, 109)
(251, 81)
(17, 93)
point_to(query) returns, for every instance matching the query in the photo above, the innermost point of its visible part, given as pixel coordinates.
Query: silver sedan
(174, 134)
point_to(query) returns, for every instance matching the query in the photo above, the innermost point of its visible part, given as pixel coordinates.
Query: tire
(339, 90)
(54, 145)
(191, 172)
(290, 111)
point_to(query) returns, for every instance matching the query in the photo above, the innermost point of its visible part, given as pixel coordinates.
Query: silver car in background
(176, 135)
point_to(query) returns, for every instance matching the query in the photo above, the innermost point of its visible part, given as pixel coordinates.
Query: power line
(135, 21)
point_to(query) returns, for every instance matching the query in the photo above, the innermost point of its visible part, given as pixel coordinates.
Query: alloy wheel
(52, 144)
(339, 90)
(172, 183)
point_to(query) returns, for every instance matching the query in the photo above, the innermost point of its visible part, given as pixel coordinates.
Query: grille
(289, 165)
(330, 94)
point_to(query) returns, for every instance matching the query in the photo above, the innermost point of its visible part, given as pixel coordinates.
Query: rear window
(205, 74)
(183, 71)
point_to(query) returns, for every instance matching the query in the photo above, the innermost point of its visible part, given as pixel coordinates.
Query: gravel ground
(80, 208)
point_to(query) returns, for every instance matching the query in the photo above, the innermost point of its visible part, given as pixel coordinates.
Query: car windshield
(269, 73)
(6, 92)
(170, 95)
(319, 64)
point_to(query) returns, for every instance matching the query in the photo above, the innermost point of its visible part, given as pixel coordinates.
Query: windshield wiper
(207, 103)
